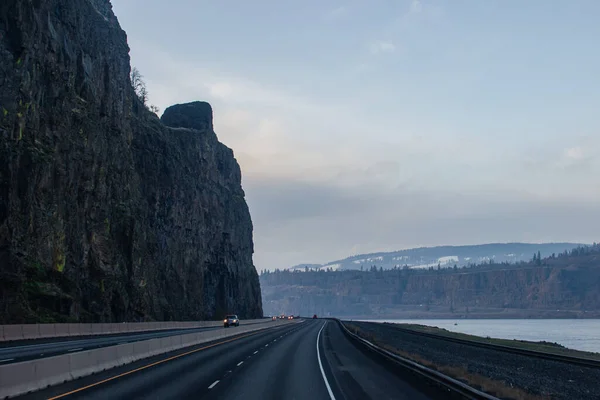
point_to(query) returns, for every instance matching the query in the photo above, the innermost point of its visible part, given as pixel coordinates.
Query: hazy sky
(364, 126)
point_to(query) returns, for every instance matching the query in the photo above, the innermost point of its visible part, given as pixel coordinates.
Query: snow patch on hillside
(447, 259)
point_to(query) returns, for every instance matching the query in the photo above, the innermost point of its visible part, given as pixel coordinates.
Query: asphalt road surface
(311, 359)
(54, 346)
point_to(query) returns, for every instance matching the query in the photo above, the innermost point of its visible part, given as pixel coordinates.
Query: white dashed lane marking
(240, 363)
(213, 384)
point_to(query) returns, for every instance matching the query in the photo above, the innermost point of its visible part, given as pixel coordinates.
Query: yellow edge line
(150, 365)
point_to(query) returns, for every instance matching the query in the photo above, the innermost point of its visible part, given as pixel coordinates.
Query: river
(579, 334)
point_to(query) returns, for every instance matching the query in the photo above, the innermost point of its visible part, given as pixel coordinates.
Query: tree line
(536, 260)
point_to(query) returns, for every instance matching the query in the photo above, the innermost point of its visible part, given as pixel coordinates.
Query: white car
(231, 320)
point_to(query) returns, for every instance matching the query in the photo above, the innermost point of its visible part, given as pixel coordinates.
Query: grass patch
(545, 347)
(494, 387)
(59, 253)
(60, 263)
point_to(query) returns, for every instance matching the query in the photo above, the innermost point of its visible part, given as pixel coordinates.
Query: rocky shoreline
(505, 375)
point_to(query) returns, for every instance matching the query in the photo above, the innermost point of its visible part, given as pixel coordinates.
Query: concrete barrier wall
(41, 331)
(27, 376)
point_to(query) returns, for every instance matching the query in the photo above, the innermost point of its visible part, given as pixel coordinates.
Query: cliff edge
(108, 214)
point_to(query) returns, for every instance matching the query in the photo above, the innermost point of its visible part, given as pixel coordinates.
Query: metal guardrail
(445, 381)
(585, 362)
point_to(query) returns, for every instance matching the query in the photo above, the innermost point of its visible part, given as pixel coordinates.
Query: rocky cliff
(106, 212)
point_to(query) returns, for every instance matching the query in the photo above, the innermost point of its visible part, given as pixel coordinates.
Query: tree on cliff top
(139, 85)
(141, 91)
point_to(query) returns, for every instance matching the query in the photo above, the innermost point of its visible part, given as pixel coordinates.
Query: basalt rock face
(107, 213)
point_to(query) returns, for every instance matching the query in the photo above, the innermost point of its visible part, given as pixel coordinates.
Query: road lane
(357, 375)
(169, 376)
(312, 360)
(316, 363)
(48, 348)
(287, 368)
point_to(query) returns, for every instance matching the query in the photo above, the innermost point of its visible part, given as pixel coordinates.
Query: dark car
(231, 320)
(314, 316)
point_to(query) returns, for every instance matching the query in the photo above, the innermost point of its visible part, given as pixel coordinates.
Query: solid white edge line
(331, 396)
(7, 359)
(213, 384)
(80, 348)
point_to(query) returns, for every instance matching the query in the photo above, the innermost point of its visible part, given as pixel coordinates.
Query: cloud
(382, 47)
(328, 179)
(416, 7)
(336, 13)
(188, 82)
(574, 153)
(297, 218)
(414, 22)
(580, 159)
(221, 89)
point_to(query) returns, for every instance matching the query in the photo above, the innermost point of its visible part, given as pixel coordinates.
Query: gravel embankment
(545, 378)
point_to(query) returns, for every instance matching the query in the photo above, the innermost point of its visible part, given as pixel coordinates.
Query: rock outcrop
(107, 213)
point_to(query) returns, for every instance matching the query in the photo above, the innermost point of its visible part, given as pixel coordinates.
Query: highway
(11, 353)
(312, 359)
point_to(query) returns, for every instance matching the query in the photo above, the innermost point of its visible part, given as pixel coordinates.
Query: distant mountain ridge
(564, 285)
(444, 256)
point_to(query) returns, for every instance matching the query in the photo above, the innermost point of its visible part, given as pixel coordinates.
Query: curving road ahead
(33, 349)
(312, 359)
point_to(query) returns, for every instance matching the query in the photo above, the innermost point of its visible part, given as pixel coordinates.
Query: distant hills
(561, 285)
(444, 256)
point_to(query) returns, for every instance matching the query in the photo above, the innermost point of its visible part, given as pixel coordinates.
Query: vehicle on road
(231, 320)
(314, 316)
(274, 318)
(291, 317)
